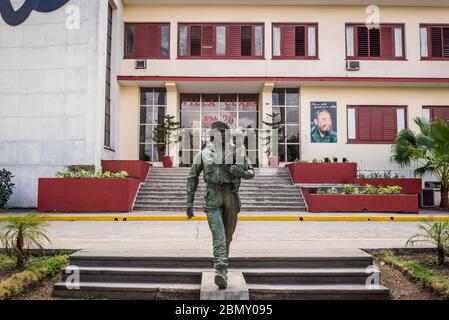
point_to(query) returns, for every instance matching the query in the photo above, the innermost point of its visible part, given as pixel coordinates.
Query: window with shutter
(362, 42)
(233, 45)
(374, 42)
(434, 42)
(300, 41)
(220, 41)
(438, 112)
(297, 41)
(385, 42)
(246, 42)
(195, 41)
(147, 41)
(375, 124)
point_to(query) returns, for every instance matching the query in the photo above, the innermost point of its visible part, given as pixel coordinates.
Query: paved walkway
(251, 237)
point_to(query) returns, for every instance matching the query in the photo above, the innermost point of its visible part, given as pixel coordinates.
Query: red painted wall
(409, 186)
(323, 172)
(86, 195)
(400, 203)
(136, 168)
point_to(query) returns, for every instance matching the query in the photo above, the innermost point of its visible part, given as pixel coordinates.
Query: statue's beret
(220, 125)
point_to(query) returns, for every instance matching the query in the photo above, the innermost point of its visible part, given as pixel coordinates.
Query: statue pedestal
(236, 290)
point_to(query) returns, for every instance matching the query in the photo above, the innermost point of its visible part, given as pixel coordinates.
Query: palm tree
(436, 234)
(23, 232)
(429, 149)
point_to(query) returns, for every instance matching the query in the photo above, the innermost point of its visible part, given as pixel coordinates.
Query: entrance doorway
(199, 111)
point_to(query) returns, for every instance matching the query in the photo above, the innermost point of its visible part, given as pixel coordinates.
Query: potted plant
(274, 125)
(163, 134)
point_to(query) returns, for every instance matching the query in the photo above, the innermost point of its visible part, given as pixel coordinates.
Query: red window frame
(383, 46)
(430, 43)
(432, 110)
(148, 54)
(227, 55)
(358, 139)
(283, 56)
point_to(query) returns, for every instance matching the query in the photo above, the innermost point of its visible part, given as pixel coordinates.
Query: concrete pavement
(251, 237)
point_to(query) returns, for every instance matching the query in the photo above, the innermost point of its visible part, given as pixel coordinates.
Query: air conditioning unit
(352, 65)
(427, 198)
(140, 64)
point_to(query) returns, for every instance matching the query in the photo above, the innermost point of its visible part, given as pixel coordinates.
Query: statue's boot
(221, 280)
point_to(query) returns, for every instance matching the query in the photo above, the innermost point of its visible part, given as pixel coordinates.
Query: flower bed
(409, 186)
(323, 172)
(400, 203)
(136, 168)
(86, 195)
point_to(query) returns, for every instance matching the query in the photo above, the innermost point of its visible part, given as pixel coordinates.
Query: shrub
(18, 282)
(347, 189)
(83, 174)
(369, 189)
(6, 187)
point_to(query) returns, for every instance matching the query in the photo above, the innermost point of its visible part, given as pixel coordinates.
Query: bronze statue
(224, 165)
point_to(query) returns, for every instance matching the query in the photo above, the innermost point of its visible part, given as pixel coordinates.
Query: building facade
(342, 77)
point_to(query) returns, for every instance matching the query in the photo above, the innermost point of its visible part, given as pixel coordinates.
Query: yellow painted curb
(385, 218)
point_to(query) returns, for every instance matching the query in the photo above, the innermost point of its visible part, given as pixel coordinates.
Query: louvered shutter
(246, 41)
(233, 41)
(435, 34)
(441, 113)
(374, 42)
(389, 124)
(195, 41)
(154, 40)
(362, 42)
(288, 40)
(387, 45)
(376, 124)
(300, 41)
(446, 42)
(141, 44)
(364, 124)
(207, 41)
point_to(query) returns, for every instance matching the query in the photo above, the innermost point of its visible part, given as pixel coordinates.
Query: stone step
(200, 208)
(129, 291)
(247, 203)
(202, 193)
(308, 275)
(200, 197)
(317, 292)
(242, 188)
(324, 259)
(252, 275)
(138, 275)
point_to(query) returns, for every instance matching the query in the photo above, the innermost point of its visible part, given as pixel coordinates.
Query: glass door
(199, 111)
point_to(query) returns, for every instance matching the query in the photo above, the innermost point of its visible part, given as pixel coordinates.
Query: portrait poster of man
(323, 128)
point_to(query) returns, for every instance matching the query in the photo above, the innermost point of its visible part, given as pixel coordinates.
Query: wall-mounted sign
(14, 18)
(323, 127)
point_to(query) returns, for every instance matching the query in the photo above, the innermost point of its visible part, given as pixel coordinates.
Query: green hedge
(38, 271)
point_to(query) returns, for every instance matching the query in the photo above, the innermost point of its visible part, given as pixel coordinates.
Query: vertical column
(266, 107)
(172, 109)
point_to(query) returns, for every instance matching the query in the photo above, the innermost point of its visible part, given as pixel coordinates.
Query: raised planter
(409, 186)
(399, 203)
(86, 195)
(323, 172)
(136, 168)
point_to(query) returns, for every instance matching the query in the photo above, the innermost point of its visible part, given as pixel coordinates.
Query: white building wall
(50, 95)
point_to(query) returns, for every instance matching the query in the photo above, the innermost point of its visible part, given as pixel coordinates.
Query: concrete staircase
(270, 190)
(307, 275)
